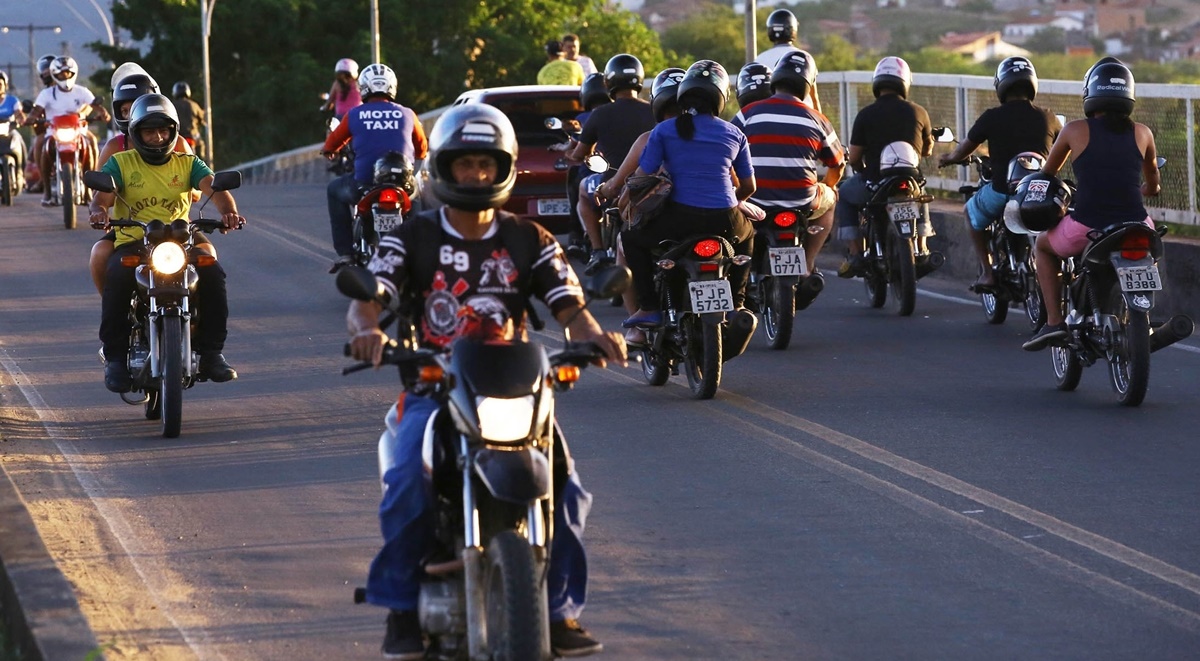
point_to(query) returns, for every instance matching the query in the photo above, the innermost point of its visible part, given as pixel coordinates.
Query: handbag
(643, 198)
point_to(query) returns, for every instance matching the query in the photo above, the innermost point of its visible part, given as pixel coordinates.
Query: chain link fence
(956, 101)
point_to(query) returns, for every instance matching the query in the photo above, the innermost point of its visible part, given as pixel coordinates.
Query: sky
(80, 22)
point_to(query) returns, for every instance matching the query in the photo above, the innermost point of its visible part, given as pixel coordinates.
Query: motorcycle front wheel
(654, 370)
(7, 177)
(1035, 310)
(514, 601)
(1067, 368)
(171, 394)
(702, 357)
(779, 311)
(1129, 355)
(902, 272)
(67, 177)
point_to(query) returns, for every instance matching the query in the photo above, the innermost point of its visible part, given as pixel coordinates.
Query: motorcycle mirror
(358, 283)
(1062, 119)
(101, 181)
(1160, 162)
(596, 163)
(610, 281)
(227, 180)
(943, 134)
(554, 123)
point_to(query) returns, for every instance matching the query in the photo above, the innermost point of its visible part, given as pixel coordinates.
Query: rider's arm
(583, 328)
(579, 151)
(744, 172)
(420, 142)
(366, 338)
(36, 114)
(963, 150)
(611, 188)
(337, 139)
(224, 203)
(816, 98)
(1062, 146)
(1153, 178)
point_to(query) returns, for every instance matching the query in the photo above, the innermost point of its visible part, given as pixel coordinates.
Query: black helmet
(796, 71)
(1042, 200)
(753, 83)
(623, 72)
(43, 68)
(1109, 86)
(891, 73)
(662, 92)
(153, 111)
(397, 169)
(1022, 165)
(465, 129)
(782, 26)
(1104, 60)
(129, 89)
(1013, 71)
(706, 79)
(181, 90)
(593, 92)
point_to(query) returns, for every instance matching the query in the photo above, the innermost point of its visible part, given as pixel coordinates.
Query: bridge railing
(956, 101)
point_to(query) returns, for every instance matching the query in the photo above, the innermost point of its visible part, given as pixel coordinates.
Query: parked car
(541, 189)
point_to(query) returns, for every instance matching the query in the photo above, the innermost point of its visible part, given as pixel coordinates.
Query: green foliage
(712, 33)
(1047, 40)
(833, 53)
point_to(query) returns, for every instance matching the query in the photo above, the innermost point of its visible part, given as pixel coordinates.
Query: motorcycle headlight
(64, 136)
(505, 420)
(168, 258)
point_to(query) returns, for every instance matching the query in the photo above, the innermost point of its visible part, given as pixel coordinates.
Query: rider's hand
(329, 155)
(99, 219)
(367, 345)
(232, 220)
(944, 160)
(613, 346)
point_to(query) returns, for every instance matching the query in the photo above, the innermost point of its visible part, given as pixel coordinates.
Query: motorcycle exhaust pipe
(808, 290)
(736, 334)
(1176, 328)
(930, 264)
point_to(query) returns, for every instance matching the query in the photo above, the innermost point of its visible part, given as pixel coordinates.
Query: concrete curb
(40, 612)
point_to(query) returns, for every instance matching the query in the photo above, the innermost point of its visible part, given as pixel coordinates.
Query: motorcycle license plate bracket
(904, 215)
(788, 261)
(711, 296)
(1139, 278)
(386, 222)
(553, 206)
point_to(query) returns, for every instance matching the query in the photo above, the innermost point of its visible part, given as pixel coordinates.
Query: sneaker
(568, 639)
(214, 368)
(341, 262)
(403, 641)
(653, 318)
(598, 258)
(116, 376)
(46, 202)
(852, 267)
(1046, 336)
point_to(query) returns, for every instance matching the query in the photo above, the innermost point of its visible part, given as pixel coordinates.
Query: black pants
(210, 306)
(678, 221)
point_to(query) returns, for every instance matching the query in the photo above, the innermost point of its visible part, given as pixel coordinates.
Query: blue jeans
(852, 197)
(985, 206)
(342, 193)
(405, 516)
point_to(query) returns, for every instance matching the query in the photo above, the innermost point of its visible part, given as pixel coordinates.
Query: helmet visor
(64, 75)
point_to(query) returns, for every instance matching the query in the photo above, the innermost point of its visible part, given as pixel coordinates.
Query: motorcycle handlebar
(393, 354)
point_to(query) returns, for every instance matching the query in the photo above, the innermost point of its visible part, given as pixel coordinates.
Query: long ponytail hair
(691, 105)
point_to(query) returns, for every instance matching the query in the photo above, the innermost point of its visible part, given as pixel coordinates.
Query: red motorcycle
(65, 179)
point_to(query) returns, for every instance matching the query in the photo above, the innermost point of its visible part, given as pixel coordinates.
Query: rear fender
(1136, 300)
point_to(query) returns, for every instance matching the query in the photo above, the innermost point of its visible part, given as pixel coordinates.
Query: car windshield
(529, 116)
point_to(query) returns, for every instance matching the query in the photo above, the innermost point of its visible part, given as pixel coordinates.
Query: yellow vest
(153, 192)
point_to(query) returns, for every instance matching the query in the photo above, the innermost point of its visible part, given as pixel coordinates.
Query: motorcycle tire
(1035, 309)
(654, 371)
(1067, 368)
(514, 600)
(902, 273)
(171, 396)
(153, 405)
(779, 313)
(702, 357)
(6, 179)
(1129, 357)
(68, 196)
(876, 288)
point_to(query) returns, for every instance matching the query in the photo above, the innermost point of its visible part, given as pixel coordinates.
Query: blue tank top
(1109, 174)
(377, 127)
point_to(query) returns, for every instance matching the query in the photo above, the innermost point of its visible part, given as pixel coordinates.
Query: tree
(714, 33)
(1047, 40)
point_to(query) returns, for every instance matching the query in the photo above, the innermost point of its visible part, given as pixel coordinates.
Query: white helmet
(377, 79)
(126, 69)
(65, 70)
(898, 155)
(347, 65)
(892, 73)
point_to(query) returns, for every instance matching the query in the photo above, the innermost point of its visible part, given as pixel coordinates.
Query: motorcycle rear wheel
(779, 312)
(171, 395)
(654, 371)
(1035, 310)
(1129, 357)
(1067, 368)
(702, 357)
(67, 177)
(514, 601)
(902, 276)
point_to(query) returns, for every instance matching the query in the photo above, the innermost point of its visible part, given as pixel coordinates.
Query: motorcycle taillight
(1135, 246)
(707, 248)
(785, 219)
(389, 200)
(903, 185)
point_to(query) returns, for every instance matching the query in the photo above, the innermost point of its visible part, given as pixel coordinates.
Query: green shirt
(561, 72)
(153, 192)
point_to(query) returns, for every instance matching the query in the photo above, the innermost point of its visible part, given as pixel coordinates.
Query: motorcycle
(494, 457)
(780, 283)
(701, 330)
(343, 161)
(890, 258)
(65, 178)
(12, 153)
(1108, 293)
(161, 359)
(381, 210)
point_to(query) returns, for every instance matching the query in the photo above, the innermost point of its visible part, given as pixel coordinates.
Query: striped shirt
(788, 142)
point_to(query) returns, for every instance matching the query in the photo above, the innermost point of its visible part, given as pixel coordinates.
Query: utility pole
(206, 7)
(375, 31)
(751, 32)
(31, 28)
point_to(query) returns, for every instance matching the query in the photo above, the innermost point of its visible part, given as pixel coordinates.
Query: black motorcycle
(780, 283)
(1108, 293)
(12, 155)
(161, 359)
(380, 211)
(700, 329)
(495, 457)
(890, 258)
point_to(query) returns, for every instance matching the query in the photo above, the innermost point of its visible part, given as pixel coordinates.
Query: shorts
(825, 199)
(589, 185)
(1069, 237)
(985, 207)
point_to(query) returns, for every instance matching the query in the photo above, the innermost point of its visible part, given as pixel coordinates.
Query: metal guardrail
(956, 101)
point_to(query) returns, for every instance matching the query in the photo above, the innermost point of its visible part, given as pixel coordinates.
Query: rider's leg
(340, 194)
(984, 206)
(98, 262)
(823, 219)
(212, 322)
(1049, 278)
(45, 163)
(628, 298)
(589, 213)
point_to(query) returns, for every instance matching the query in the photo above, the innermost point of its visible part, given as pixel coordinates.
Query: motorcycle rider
(782, 27)
(191, 115)
(1115, 164)
(698, 149)
(343, 94)
(10, 111)
(787, 141)
(1016, 125)
(592, 93)
(473, 152)
(753, 84)
(166, 179)
(39, 128)
(611, 129)
(891, 118)
(374, 128)
(63, 98)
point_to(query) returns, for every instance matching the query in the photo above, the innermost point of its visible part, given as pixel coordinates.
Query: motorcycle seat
(672, 249)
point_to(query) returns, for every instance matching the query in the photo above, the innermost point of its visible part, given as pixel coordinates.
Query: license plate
(555, 206)
(898, 211)
(711, 296)
(788, 261)
(1139, 278)
(386, 222)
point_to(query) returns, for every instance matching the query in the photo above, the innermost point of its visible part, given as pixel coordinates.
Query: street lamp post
(206, 7)
(31, 28)
(375, 31)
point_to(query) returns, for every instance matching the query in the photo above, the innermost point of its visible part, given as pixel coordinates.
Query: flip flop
(979, 288)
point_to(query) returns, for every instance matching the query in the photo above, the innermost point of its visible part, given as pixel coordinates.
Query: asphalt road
(886, 488)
